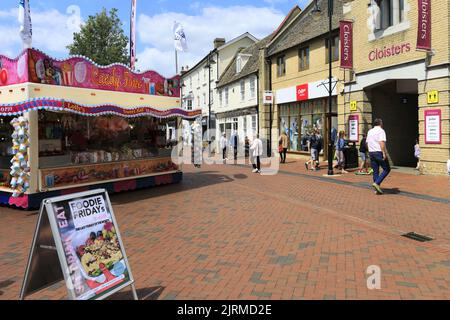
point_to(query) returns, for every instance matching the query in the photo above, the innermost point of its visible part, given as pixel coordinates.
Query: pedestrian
(235, 144)
(257, 151)
(319, 148)
(417, 153)
(376, 141)
(313, 146)
(364, 168)
(223, 146)
(283, 146)
(340, 152)
(247, 147)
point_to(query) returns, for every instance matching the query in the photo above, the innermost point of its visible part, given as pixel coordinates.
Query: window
(211, 96)
(204, 99)
(392, 12)
(189, 104)
(334, 49)
(198, 101)
(252, 87)
(238, 64)
(220, 98)
(281, 66)
(242, 90)
(226, 96)
(245, 125)
(303, 58)
(254, 124)
(190, 82)
(204, 75)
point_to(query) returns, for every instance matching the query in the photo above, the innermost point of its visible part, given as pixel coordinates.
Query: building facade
(299, 73)
(396, 78)
(199, 83)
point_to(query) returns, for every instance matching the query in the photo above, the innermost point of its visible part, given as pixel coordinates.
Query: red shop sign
(424, 29)
(302, 92)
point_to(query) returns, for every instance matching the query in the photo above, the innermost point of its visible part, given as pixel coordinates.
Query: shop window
(242, 85)
(67, 140)
(281, 66)
(303, 57)
(254, 124)
(334, 49)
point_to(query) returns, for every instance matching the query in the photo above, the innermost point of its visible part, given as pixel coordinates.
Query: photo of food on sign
(100, 252)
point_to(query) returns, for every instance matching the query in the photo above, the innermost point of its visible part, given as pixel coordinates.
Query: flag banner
(26, 32)
(180, 37)
(346, 30)
(424, 29)
(133, 35)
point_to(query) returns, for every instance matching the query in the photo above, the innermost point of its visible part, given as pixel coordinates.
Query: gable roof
(304, 28)
(251, 67)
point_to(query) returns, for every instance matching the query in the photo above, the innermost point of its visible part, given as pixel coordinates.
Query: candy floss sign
(424, 30)
(13, 71)
(82, 73)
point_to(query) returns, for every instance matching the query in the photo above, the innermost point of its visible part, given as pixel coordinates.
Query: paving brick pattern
(225, 233)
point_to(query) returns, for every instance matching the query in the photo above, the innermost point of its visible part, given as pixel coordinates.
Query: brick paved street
(225, 233)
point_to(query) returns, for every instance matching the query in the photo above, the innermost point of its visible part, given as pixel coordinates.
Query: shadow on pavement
(143, 294)
(392, 191)
(191, 181)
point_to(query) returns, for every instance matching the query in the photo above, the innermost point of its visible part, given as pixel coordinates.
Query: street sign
(268, 97)
(353, 106)
(77, 240)
(433, 97)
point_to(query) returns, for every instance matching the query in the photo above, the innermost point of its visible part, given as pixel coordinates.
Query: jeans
(257, 163)
(224, 153)
(377, 161)
(283, 154)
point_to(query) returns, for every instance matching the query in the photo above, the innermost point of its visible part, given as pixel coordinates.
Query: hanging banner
(424, 29)
(133, 35)
(81, 233)
(346, 30)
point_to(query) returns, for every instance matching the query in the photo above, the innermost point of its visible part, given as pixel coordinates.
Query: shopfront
(302, 110)
(75, 128)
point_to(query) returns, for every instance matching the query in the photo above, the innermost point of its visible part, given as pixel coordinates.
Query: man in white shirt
(257, 151)
(376, 142)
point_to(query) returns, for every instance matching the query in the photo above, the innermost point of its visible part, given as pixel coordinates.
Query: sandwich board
(77, 240)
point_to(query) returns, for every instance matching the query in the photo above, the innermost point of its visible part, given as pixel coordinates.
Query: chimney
(184, 70)
(218, 42)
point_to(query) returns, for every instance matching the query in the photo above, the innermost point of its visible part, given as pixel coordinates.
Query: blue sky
(54, 22)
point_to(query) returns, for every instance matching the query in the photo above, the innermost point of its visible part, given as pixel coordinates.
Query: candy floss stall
(71, 125)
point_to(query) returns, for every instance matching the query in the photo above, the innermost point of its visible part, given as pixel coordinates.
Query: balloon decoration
(20, 168)
(3, 76)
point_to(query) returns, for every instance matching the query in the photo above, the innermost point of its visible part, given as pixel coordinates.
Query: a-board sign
(77, 240)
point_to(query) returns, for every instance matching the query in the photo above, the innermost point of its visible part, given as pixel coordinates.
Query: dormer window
(241, 61)
(238, 64)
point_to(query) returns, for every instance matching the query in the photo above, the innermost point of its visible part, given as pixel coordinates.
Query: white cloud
(51, 31)
(211, 22)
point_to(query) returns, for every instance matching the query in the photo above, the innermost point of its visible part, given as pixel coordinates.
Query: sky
(55, 21)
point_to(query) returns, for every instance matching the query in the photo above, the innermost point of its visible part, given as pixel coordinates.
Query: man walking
(257, 152)
(223, 146)
(376, 141)
(284, 144)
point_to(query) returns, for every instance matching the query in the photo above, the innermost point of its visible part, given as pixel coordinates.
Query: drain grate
(417, 237)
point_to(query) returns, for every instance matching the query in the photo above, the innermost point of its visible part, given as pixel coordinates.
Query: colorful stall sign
(36, 67)
(86, 241)
(353, 128)
(433, 127)
(93, 110)
(88, 174)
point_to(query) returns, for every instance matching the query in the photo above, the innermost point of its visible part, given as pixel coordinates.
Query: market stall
(72, 125)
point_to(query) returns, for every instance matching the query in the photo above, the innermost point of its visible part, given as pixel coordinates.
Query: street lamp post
(208, 66)
(317, 12)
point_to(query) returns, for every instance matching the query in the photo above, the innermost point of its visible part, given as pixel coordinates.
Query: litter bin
(351, 156)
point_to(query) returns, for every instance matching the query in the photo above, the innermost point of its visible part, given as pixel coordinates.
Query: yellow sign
(353, 106)
(433, 97)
